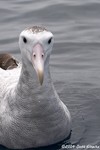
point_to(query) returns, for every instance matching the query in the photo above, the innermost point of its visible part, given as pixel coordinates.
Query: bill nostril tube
(34, 55)
(42, 55)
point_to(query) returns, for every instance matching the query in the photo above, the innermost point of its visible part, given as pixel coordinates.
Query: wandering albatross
(31, 112)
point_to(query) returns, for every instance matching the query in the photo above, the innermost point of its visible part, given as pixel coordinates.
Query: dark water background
(75, 61)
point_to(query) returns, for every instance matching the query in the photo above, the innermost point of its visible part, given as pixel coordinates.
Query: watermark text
(95, 147)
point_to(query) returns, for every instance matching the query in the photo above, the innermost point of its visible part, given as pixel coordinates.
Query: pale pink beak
(38, 61)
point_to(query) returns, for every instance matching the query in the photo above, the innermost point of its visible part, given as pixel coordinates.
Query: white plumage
(31, 113)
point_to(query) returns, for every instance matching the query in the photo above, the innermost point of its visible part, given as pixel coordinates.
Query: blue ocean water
(75, 61)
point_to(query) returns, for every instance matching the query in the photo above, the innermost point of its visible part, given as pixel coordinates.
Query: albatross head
(36, 45)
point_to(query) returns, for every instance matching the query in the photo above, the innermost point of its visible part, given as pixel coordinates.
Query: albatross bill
(38, 61)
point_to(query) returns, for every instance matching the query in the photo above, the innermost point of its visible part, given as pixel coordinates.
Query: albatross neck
(29, 91)
(30, 79)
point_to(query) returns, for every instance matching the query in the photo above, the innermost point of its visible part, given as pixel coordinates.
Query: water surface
(75, 61)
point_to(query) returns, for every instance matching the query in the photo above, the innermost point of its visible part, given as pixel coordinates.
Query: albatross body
(31, 112)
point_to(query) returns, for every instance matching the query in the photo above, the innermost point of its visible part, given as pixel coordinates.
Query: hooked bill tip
(40, 76)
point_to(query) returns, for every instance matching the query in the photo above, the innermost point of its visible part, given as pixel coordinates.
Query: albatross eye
(49, 41)
(24, 40)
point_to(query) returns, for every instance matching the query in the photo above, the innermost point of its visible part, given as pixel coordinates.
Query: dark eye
(24, 40)
(49, 41)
